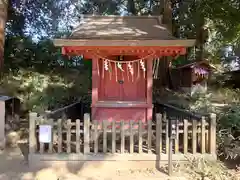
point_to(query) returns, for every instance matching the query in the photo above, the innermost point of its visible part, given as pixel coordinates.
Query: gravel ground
(13, 166)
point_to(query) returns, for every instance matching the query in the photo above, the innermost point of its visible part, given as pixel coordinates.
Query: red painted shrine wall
(120, 95)
(117, 114)
(131, 99)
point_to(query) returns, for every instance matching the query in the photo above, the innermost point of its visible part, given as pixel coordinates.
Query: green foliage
(230, 118)
(42, 56)
(228, 134)
(180, 60)
(201, 102)
(39, 92)
(36, 71)
(214, 23)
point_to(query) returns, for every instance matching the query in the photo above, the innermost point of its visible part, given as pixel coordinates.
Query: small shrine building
(122, 50)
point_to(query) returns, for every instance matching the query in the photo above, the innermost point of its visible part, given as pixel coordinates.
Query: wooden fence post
(140, 136)
(78, 136)
(149, 136)
(203, 135)
(86, 133)
(194, 136)
(59, 129)
(131, 148)
(176, 141)
(32, 133)
(113, 136)
(159, 134)
(95, 136)
(122, 136)
(166, 132)
(69, 122)
(50, 147)
(104, 125)
(212, 143)
(42, 120)
(2, 124)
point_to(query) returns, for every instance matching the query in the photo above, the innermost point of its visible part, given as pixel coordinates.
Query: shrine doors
(118, 83)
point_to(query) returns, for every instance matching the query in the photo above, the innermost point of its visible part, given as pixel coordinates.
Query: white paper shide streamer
(106, 65)
(140, 64)
(143, 67)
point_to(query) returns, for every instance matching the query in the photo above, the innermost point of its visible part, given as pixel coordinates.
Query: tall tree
(165, 64)
(131, 7)
(3, 19)
(167, 12)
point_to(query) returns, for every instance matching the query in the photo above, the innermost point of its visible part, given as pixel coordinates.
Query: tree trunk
(131, 7)
(162, 2)
(236, 50)
(3, 19)
(167, 14)
(201, 38)
(167, 19)
(163, 66)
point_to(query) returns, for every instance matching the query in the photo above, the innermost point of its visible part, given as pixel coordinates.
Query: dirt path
(13, 166)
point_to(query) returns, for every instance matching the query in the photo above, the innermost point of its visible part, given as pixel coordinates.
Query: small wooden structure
(193, 77)
(9, 115)
(122, 51)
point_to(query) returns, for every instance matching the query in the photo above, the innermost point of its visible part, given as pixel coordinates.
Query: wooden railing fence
(95, 137)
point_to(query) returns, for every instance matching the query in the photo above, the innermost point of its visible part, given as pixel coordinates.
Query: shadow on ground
(14, 166)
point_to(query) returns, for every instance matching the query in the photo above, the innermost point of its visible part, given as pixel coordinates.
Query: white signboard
(45, 133)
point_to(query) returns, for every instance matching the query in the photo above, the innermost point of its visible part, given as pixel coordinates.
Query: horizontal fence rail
(72, 111)
(175, 112)
(119, 137)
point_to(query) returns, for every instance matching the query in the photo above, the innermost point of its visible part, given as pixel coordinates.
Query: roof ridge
(118, 16)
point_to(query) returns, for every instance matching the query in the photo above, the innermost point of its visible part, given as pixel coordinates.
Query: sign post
(171, 136)
(45, 133)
